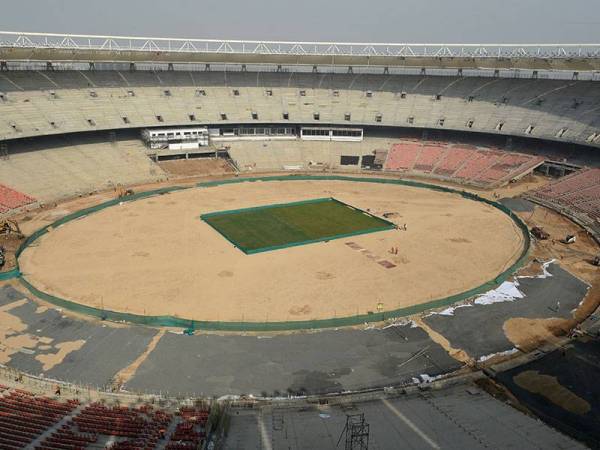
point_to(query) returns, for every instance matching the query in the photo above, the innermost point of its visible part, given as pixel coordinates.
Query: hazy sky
(433, 21)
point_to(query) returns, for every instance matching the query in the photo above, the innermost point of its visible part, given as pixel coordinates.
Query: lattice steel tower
(356, 433)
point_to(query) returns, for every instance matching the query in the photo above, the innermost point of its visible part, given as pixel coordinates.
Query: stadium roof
(52, 47)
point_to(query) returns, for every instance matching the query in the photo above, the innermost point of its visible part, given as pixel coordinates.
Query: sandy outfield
(156, 257)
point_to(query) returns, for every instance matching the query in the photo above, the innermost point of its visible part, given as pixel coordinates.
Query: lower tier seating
(578, 193)
(11, 199)
(49, 424)
(486, 167)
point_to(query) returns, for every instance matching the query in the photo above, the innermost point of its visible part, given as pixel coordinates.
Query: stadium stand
(76, 167)
(24, 417)
(56, 102)
(480, 167)
(578, 193)
(282, 155)
(142, 428)
(64, 167)
(43, 423)
(11, 199)
(507, 166)
(190, 431)
(429, 157)
(402, 156)
(54, 144)
(60, 167)
(452, 161)
(477, 163)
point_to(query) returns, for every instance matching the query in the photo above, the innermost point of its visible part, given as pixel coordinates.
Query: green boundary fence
(10, 274)
(170, 321)
(388, 225)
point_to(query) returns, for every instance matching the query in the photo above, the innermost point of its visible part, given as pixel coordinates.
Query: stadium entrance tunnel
(250, 326)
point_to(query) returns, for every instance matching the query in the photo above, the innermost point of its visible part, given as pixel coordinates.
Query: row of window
(315, 132)
(346, 133)
(321, 132)
(259, 131)
(199, 93)
(334, 132)
(202, 93)
(316, 116)
(173, 134)
(269, 92)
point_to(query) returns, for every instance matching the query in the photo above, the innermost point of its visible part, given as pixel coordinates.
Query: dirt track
(156, 257)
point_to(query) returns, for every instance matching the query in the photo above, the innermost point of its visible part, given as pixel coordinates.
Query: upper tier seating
(35, 103)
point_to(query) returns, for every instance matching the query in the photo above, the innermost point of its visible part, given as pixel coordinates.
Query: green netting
(170, 321)
(9, 274)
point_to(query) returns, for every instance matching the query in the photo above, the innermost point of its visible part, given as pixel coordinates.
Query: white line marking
(264, 436)
(411, 425)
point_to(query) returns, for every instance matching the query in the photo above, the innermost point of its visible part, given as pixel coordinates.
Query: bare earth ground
(195, 167)
(155, 256)
(576, 258)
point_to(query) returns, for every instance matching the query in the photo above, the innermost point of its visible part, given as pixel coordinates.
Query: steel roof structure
(52, 47)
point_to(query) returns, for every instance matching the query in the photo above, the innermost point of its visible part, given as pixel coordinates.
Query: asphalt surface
(107, 349)
(518, 204)
(577, 369)
(459, 418)
(320, 362)
(478, 329)
(299, 363)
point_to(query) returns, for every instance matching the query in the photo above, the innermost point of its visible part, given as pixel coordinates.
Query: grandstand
(76, 166)
(577, 194)
(13, 200)
(478, 167)
(34, 421)
(458, 150)
(36, 103)
(25, 417)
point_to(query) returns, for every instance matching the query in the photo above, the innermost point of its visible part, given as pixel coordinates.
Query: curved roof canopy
(52, 47)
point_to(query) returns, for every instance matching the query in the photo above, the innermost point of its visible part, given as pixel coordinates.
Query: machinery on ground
(123, 192)
(539, 233)
(8, 227)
